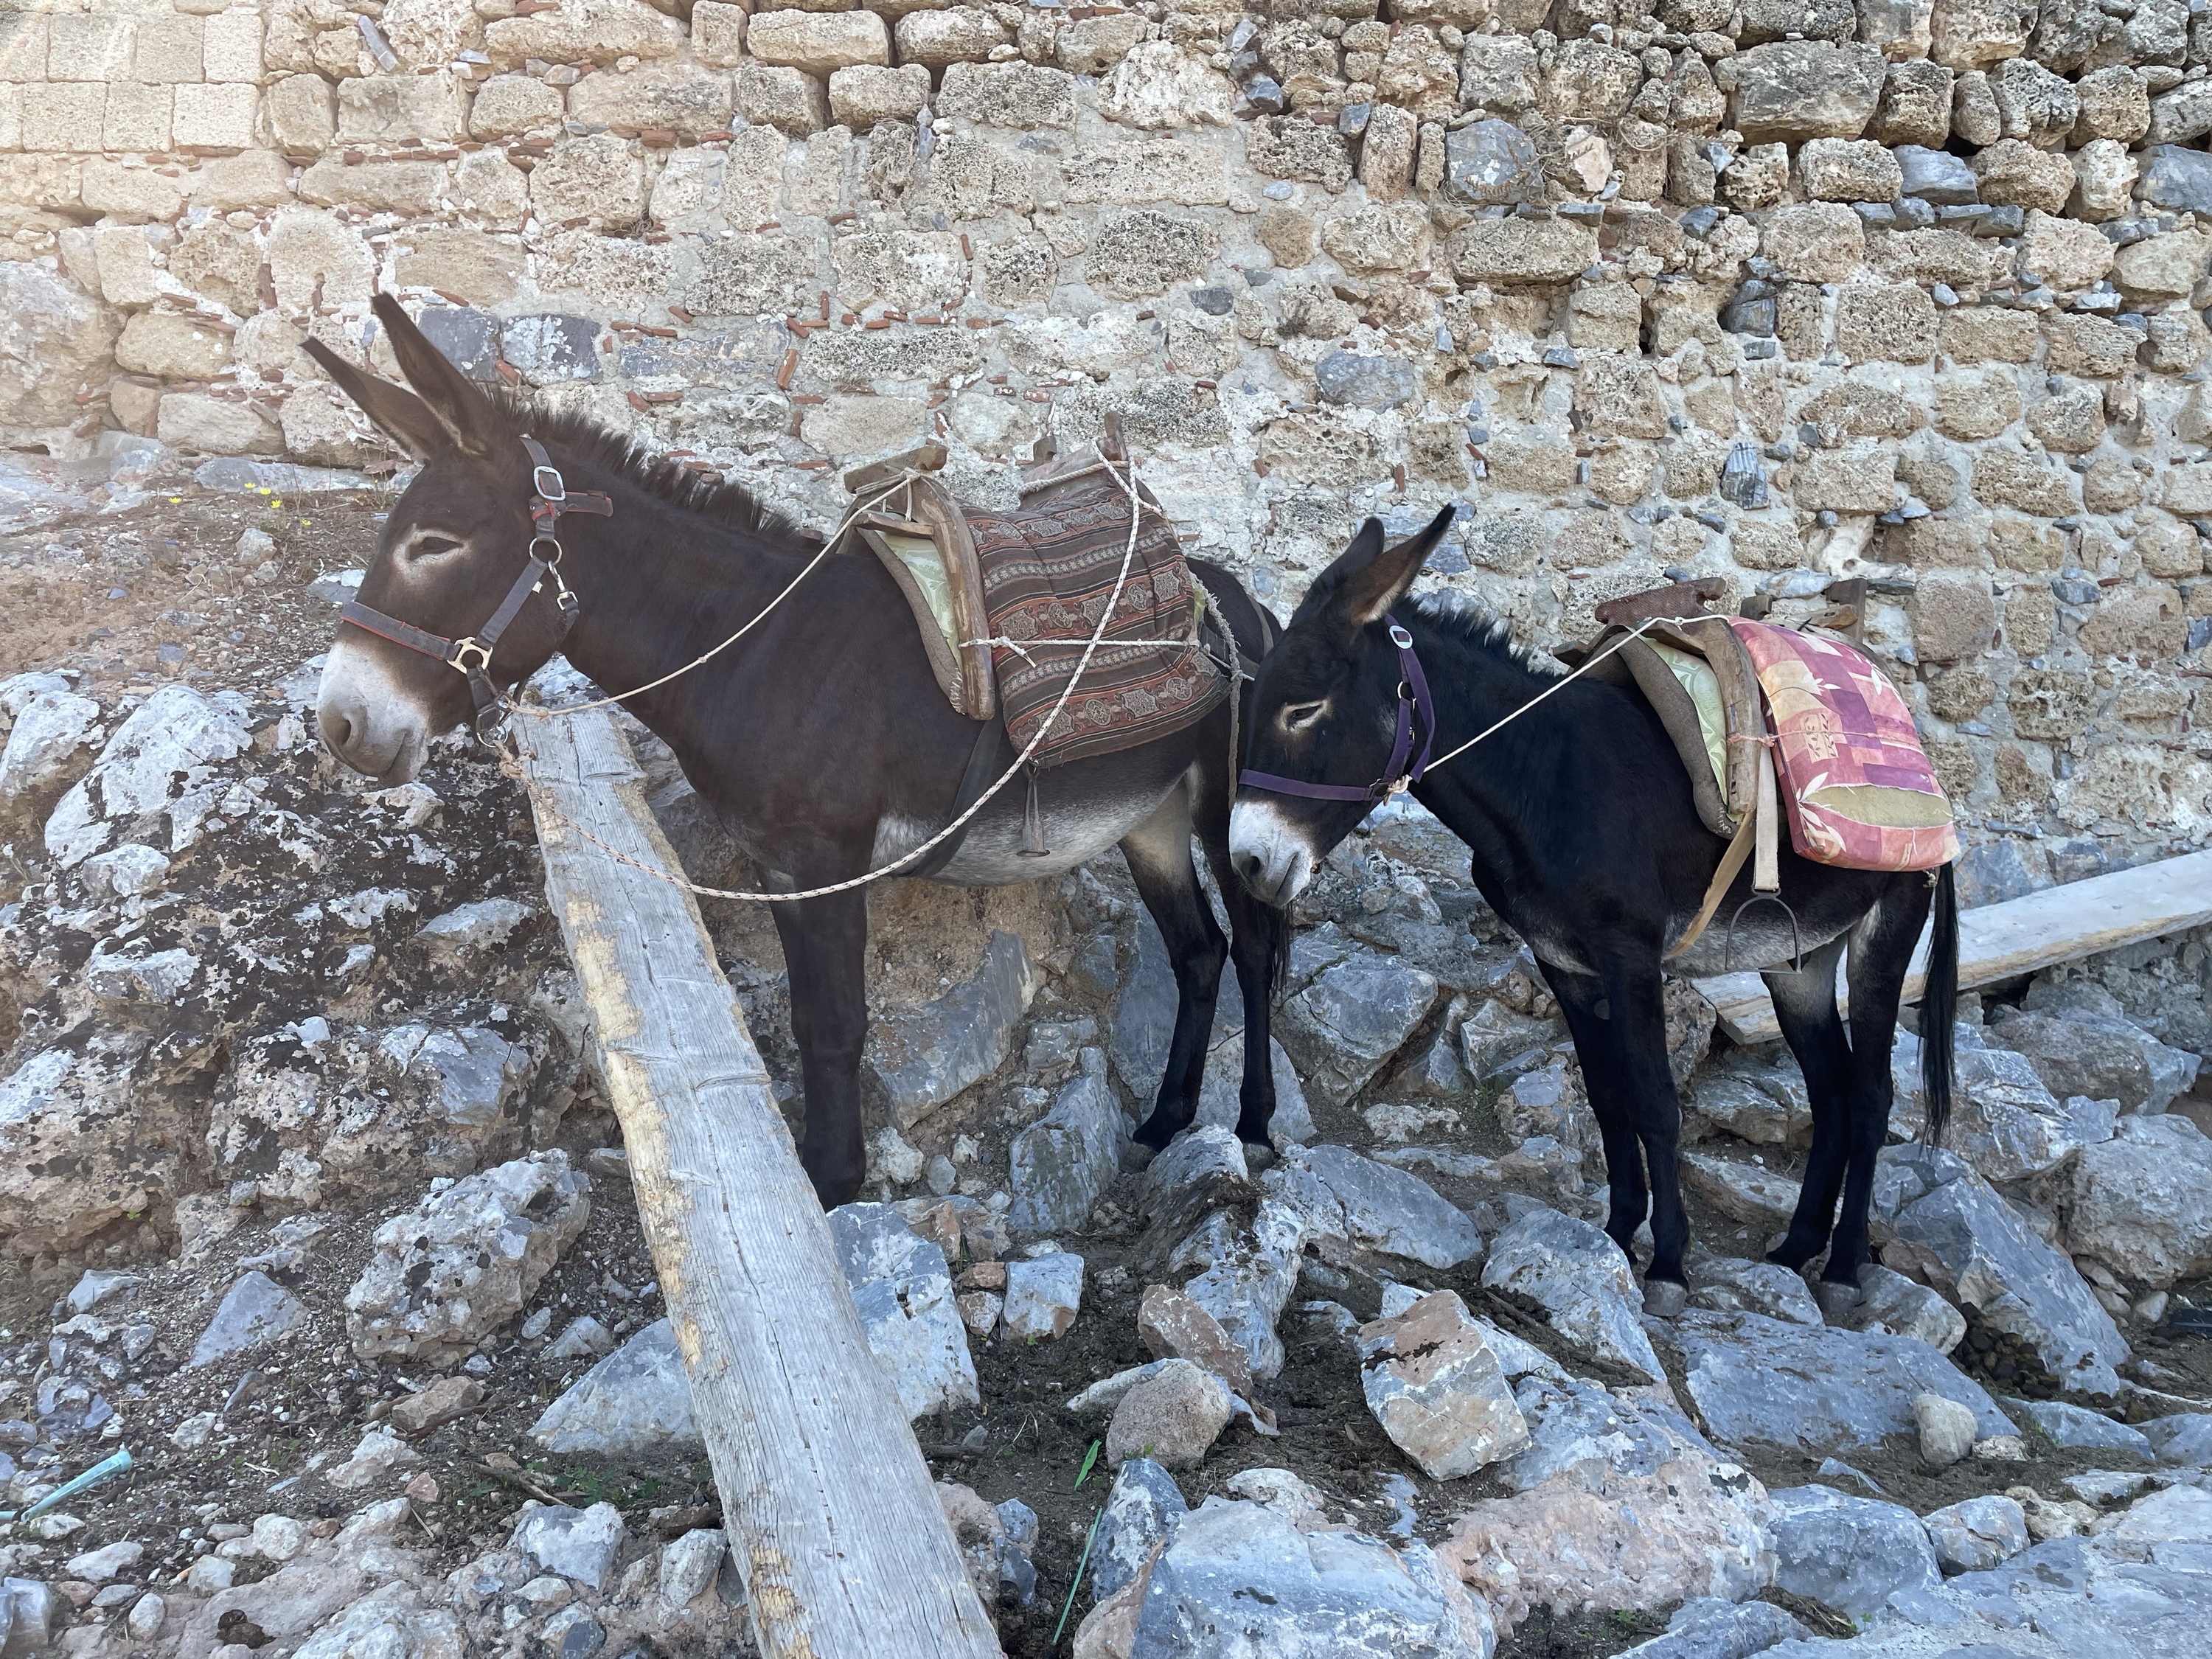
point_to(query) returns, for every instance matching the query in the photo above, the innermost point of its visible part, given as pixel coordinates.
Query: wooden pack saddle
(1007, 600)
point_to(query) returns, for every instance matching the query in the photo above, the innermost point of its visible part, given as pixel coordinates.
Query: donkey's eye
(1299, 716)
(428, 547)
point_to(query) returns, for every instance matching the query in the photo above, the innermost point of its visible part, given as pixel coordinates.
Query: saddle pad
(1048, 569)
(1856, 783)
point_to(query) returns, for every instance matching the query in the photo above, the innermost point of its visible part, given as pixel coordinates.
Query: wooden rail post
(830, 1509)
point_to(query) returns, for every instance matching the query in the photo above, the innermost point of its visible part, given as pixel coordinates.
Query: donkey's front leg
(825, 950)
(1158, 852)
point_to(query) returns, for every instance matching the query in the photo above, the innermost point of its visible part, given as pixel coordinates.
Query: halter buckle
(1401, 638)
(462, 648)
(547, 481)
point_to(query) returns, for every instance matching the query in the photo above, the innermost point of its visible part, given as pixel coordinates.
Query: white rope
(512, 763)
(1558, 684)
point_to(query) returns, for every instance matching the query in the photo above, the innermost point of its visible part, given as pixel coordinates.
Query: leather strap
(1756, 828)
(1739, 848)
(1414, 700)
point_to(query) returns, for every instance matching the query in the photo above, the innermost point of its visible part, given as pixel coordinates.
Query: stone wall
(1783, 291)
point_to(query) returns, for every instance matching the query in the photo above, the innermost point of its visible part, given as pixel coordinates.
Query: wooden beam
(2019, 936)
(830, 1509)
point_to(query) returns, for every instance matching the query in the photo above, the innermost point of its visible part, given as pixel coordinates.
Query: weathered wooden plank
(2020, 936)
(829, 1507)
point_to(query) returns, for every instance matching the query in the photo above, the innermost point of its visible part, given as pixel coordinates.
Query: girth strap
(471, 653)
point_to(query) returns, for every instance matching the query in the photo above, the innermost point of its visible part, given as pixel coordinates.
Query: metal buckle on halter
(1401, 638)
(556, 491)
(462, 647)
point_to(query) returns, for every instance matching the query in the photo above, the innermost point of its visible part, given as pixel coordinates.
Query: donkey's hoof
(1664, 1299)
(1835, 1298)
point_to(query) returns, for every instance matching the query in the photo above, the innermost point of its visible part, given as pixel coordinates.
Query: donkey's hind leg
(1159, 853)
(1805, 1007)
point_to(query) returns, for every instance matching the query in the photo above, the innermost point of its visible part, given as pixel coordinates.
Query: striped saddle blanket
(1008, 600)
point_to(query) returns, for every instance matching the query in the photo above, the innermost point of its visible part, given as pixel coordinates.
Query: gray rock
(2005, 1122)
(475, 1070)
(255, 1312)
(465, 1260)
(1587, 1435)
(580, 1545)
(1172, 1414)
(1711, 1628)
(1238, 1578)
(470, 930)
(1582, 1280)
(1144, 1501)
(1799, 89)
(170, 745)
(468, 337)
(31, 1615)
(45, 750)
(1758, 1381)
(904, 1295)
(584, 1336)
(96, 1286)
(1493, 1039)
(1358, 1204)
(1892, 1303)
(1765, 1199)
(2141, 1202)
(1044, 1295)
(2182, 1441)
(1977, 1535)
(1959, 1237)
(1219, 1100)
(925, 1055)
(1203, 1169)
(1366, 381)
(2102, 1059)
(1144, 1013)
(1948, 1430)
(1726, 1284)
(1937, 177)
(1343, 1027)
(1849, 1554)
(691, 1564)
(1064, 1161)
(1438, 1389)
(1736, 1103)
(1491, 162)
(1247, 1273)
(636, 1399)
(2177, 179)
(550, 347)
(124, 871)
(2075, 1428)
(235, 475)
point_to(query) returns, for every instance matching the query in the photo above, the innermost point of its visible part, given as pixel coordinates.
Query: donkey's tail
(1939, 1007)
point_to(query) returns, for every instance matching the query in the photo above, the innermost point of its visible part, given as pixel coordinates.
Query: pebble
(584, 1338)
(1947, 1429)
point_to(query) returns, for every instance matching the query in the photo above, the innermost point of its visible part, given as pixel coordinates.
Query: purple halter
(1413, 699)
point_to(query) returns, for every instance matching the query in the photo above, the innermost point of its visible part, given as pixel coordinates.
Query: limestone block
(789, 100)
(126, 261)
(862, 94)
(137, 116)
(214, 426)
(322, 426)
(2169, 264)
(172, 347)
(1523, 250)
(491, 189)
(599, 180)
(1885, 322)
(1849, 170)
(1974, 115)
(2010, 477)
(408, 187)
(2070, 420)
(221, 263)
(216, 117)
(1150, 173)
(1915, 107)
(509, 104)
(1498, 73)
(1095, 45)
(2089, 346)
(309, 247)
(2114, 104)
(1383, 236)
(718, 33)
(1291, 147)
(252, 179)
(1792, 90)
(2104, 179)
(2021, 543)
(843, 426)
(302, 114)
(1972, 406)
(2170, 550)
(168, 48)
(401, 109)
(1620, 397)
(1418, 74)
(1018, 272)
(1016, 95)
(1953, 616)
(1758, 177)
(2062, 253)
(230, 47)
(2034, 104)
(600, 32)
(1146, 252)
(1589, 81)
(1974, 335)
(1287, 233)
(477, 267)
(132, 194)
(935, 39)
(90, 46)
(1159, 87)
(1899, 29)
(670, 97)
(2147, 622)
(1817, 242)
(904, 270)
(1967, 35)
(1386, 152)
(2013, 172)
(1862, 479)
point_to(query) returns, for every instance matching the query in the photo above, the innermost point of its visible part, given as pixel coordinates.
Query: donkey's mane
(1474, 624)
(729, 504)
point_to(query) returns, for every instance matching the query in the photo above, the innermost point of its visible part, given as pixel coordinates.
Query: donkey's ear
(398, 413)
(460, 407)
(1369, 579)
